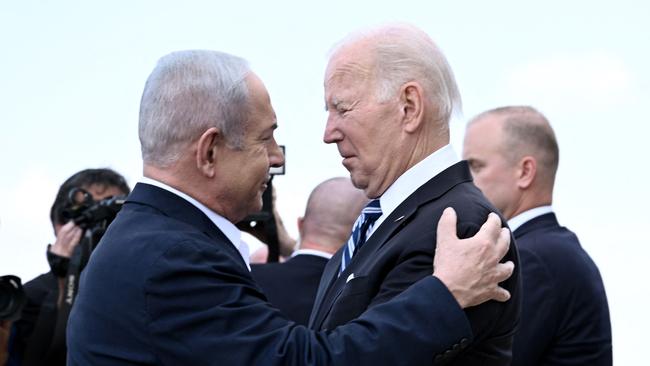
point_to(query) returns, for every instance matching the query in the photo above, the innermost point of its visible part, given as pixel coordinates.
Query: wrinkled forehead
(349, 64)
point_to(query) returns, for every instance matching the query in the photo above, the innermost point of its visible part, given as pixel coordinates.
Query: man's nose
(276, 157)
(332, 133)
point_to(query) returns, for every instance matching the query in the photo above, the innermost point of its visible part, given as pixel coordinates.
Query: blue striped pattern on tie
(364, 222)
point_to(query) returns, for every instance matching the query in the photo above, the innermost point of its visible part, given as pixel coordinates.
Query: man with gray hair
(169, 284)
(390, 94)
(514, 156)
(331, 210)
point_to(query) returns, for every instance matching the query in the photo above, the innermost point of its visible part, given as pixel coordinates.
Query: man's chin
(358, 182)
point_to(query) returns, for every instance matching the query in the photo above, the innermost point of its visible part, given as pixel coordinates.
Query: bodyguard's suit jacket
(291, 286)
(400, 252)
(166, 287)
(564, 317)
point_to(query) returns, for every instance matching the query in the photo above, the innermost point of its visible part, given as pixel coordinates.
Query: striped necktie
(364, 222)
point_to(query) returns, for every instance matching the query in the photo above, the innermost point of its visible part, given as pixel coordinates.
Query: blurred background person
(38, 337)
(331, 210)
(513, 155)
(264, 228)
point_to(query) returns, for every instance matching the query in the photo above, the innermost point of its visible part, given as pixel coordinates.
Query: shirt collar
(515, 222)
(414, 178)
(231, 231)
(315, 252)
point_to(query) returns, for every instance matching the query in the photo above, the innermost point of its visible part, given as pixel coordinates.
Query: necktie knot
(372, 210)
(364, 222)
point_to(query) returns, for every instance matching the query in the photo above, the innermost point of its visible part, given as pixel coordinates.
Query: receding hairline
(399, 53)
(525, 131)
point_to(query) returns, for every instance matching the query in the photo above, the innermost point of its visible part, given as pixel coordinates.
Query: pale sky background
(71, 75)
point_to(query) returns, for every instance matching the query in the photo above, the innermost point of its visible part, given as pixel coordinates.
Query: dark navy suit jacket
(565, 317)
(400, 252)
(166, 287)
(291, 286)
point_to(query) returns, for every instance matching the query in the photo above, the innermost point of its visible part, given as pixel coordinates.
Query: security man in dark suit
(332, 208)
(168, 284)
(390, 94)
(514, 156)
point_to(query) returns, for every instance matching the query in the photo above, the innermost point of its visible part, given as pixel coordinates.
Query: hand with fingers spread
(67, 239)
(471, 268)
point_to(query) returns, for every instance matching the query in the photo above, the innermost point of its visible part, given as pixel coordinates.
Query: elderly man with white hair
(390, 94)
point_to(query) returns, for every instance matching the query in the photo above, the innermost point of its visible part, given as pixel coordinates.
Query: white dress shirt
(515, 222)
(413, 179)
(318, 253)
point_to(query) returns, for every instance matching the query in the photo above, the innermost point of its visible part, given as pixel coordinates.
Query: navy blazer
(291, 286)
(400, 252)
(166, 287)
(565, 317)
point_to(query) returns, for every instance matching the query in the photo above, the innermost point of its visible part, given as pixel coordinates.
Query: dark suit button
(464, 342)
(438, 358)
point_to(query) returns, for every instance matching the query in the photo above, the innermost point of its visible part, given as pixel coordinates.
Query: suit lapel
(331, 286)
(171, 205)
(435, 188)
(330, 274)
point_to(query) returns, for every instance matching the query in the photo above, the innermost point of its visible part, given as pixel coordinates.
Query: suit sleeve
(202, 308)
(415, 263)
(490, 323)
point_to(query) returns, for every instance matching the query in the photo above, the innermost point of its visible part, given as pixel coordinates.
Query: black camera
(12, 298)
(93, 217)
(88, 213)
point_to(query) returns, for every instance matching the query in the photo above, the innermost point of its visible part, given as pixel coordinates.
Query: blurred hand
(67, 239)
(470, 267)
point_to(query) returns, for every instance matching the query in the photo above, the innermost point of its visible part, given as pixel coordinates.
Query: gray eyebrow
(335, 102)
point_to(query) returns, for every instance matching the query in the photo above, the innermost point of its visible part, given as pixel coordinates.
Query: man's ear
(300, 222)
(206, 151)
(412, 106)
(527, 172)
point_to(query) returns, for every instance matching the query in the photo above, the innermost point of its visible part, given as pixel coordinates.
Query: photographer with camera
(84, 206)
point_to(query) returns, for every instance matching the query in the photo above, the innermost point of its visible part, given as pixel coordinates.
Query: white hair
(404, 53)
(187, 93)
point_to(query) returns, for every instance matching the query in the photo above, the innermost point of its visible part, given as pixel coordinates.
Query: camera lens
(12, 297)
